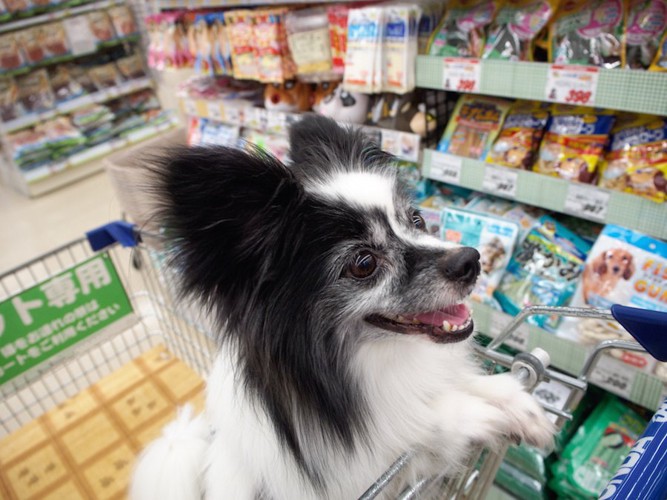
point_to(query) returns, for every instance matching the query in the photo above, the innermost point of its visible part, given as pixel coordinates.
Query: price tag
(500, 181)
(234, 115)
(214, 111)
(552, 393)
(460, 74)
(614, 376)
(572, 84)
(518, 339)
(81, 39)
(446, 168)
(190, 107)
(587, 202)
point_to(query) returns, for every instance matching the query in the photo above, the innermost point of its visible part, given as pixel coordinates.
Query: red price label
(578, 96)
(466, 85)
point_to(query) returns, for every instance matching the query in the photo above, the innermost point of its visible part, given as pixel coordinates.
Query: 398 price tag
(500, 181)
(587, 202)
(460, 74)
(614, 375)
(446, 168)
(572, 84)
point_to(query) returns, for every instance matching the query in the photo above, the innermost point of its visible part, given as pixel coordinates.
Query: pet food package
(64, 85)
(337, 16)
(274, 61)
(432, 11)
(544, 270)
(515, 28)
(493, 237)
(35, 92)
(660, 61)
(432, 208)
(646, 24)
(241, 33)
(10, 106)
(636, 161)
(122, 20)
(525, 216)
(399, 48)
(474, 126)
(462, 30)
(597, 450)
(588, 33)
(520, 136)
(101, 26)
(623, 267)
(105, 76)
(310, 43)
(10, 55)
(131, 67)
(363, 59)
(574, 141)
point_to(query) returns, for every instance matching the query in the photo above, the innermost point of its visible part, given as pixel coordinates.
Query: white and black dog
(346, 339)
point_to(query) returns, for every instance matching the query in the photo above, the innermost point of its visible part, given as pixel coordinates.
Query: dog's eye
(363, 265)
(418, 221)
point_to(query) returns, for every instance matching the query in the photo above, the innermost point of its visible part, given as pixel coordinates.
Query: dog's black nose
(461, 265)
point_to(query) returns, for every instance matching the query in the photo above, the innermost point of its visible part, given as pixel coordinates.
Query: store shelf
(57, 14)
(612, 374)
(551, 193)
(69, 106)
(200, 4)
(49, 177)
(70, 57)
(628, 90)
(404, 145)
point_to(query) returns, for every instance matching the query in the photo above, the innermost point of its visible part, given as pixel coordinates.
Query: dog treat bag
(515, 28)
(462, 30)
(363, 59)
(520, 136)
(623, 267)
(244, 56)
(647, 22)
(589, 33)
(637, 158)
(474, 126)
(574, 142)
(493, 237)
(399, 48)
(544, 270)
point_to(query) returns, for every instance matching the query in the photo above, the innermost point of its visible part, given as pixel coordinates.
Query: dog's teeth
(400, 318)
(446, 326)
(455, 328)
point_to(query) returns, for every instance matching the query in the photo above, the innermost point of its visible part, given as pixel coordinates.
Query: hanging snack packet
(122, 20)
(588, 33)
(363, 59)
(244, 57)
(337, 15)
(310, 43)
(520, 136)
(660, 61)
(574, 142)
(100, 26)
(274, 60)
(515, 28)
(399, 48)
(199, 43)
(493, 237)
(35, 92)
(462, 30)
(64, 86)
(637, 158)
(10, 107)
(647, 22)
(54, 39)
(474, 126)
(32, 45)
(10, 55)
(544, 270)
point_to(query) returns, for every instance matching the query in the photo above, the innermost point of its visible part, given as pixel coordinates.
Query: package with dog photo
(624, 267)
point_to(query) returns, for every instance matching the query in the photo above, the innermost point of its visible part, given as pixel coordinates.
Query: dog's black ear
(222, 209)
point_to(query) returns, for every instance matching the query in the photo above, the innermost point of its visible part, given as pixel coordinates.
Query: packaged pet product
(520, 136)
(588, 33)
(273, 57)
(131, 67)
(15, 6)
(199, 43)
(81, 76)
(101, 26)
(32, 44)
(462, 31)
(35, 92)
(623, 267)
(636, 161)
(588, 230)
(10, 55)
(574, 142)
(363, 59)
(430, 18)
(399, 48)
(64, 85)
(244, 58)
(660, 61)
(544, 270)
(54, 39)
(474, 126)
(10, 107)
(515, 28)
(337, 16)
(646, 24)
(525, 216)
(511, 478)
(493, 237)
(432, 208)
(310, 43)
(105, 76)
(597, 449)
(122, 20)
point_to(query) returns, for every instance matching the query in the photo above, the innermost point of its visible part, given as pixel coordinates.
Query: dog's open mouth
(449, 324)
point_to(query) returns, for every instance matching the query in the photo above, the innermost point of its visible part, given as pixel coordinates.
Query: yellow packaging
(660, 61)
(637, 158)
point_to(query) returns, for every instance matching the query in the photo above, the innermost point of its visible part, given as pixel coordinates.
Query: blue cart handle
(114, 232)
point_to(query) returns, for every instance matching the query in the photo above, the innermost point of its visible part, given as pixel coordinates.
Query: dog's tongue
(454, 315)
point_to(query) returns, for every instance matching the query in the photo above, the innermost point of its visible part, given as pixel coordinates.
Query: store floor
(32, 227)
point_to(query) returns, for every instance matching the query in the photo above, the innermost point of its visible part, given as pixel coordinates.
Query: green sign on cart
(58, 313)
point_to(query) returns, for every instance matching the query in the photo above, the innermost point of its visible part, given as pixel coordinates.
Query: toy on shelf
(291, 96)
(330, 99)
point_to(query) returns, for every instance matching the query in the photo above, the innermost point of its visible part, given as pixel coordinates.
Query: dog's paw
(528, 421)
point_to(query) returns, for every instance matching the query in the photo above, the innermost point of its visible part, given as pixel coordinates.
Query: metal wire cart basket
(71, 317)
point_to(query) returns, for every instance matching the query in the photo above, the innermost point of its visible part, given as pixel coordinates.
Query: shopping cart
(120, 271)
